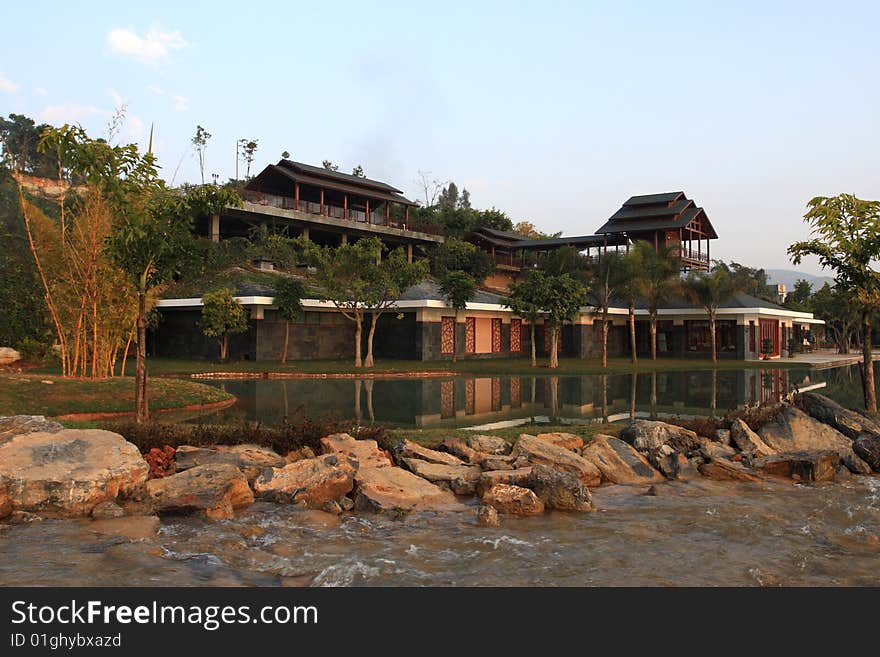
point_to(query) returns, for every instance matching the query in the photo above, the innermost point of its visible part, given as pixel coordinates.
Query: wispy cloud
(40, 91)
(70, 113)
(8, 85)
(155, 46)
(181, 103)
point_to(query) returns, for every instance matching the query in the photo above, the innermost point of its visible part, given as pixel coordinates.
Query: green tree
(457, 287)
(358, 171)
(200, 141)
(749, 279)
(710, 290)
(526, 299)
(800, 297)
(289, 293)
(222, 316)
(847, 241)
(658, 280)
(840, 316)
(248, 148)
(610, 276)
(628, 288)
(563, 299)
(19, 140)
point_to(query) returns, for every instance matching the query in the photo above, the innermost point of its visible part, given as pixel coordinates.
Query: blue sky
(555, 112)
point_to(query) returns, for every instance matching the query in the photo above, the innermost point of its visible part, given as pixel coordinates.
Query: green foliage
(658, 278)
(711, 289)
(458, 255)
(457, 287)
(800, 297)
(19, 137)
(289, 293)
(750, 280)
(527, 297)
(222, 316)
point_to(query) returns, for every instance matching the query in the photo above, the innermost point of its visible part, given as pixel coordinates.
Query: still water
(477, 400)
(690, 533)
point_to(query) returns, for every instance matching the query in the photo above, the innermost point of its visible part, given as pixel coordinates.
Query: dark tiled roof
(428, 290)
(668, 211)
(651, 199)
(321, 172)
(514, 241)
(740, 300)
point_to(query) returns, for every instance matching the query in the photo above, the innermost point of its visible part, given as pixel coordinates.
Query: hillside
(789, 277)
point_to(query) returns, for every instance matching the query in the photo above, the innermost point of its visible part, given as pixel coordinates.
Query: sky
(555, 112)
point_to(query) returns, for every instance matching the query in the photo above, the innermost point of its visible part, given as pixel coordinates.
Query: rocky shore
(49, 471)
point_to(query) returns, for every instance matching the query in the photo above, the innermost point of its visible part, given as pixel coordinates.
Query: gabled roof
(650, 212)
(514, 241)
(321, 177)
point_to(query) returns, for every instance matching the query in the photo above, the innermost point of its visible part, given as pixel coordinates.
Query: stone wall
(318, 335)
(179, 335)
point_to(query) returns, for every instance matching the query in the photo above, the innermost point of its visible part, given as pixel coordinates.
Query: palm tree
(711, 290)
(628, 288)
(658, 280)
(610, 274)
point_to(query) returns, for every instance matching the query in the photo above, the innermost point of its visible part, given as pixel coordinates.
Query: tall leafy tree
(222, 316)
(609, 278)
(658, 280)
(846, 240)
(526, 300)
(564, 296)
(841, 317)
(800, 296)
(710, 290)
(289, 293)
(458, 288)
(248, 149)
(627, 285)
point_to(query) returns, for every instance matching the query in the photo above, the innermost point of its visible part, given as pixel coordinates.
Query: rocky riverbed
(256, 516)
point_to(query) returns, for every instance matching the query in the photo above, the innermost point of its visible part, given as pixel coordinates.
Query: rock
(214, 490)
(365, 452)
(867, 446)
(161, 462)
(458, 447)
(409, 449)
(107, 509)
(537, 451)
(513, 500)
(722, 436)
(618, 462)
(648, 436)
(855, 464)
(559, 490)
(5, 500)
(489, 444)
(850, 423)
(487, 516)
(8, 356)
(722, 470)
(14, 425)
(747, 440)
(132, 527)
(437, 473)
(346, 503)
(390, 489)
(313, 481)
(564, 440)
(804, 466)
(462, 485)
(299, 454)
(22, 518)
(70, 472)
(488, 479)
(497, 463)
(250, 459)
(331, 506)
(677, 466)
(793, 431)
(713, 451)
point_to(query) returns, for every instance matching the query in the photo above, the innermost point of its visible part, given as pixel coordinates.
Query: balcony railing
(376, 218)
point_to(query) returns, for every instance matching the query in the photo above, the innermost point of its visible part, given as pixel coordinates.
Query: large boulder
(464, 476)
(723, 470)
(496, 462)
(564, 440)
(489, 444)
(867, 446)
(391, 489)
(649, 436)
(313, 481)
(791, 430)
(8, 356)
(213, 490)
(747, 440)
(250, 459)
(459, 448)
(559, 490)
(850, 423)
(804, 466)
(516, 477)
(618, 462)
(365, 452)
(5, 500)
(69, 472)
(531, 450)
(15, 425)
(408, 449)
(513, 500)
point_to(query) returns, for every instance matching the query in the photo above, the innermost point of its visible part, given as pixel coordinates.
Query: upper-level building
(668, 219)
(326, 206)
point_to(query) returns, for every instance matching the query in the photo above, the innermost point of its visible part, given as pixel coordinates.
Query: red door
(769, 329)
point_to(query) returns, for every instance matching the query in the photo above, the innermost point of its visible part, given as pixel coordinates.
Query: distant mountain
(789, 277)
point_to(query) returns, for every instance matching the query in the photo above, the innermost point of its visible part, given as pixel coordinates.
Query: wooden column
(344, 239)
(368, 212)
(322, 201)
(406, 218)
(345, 206)
(305, 232)
(387, 213)
(707, 253)
(296, 196)
(409, 253)
(215, 228)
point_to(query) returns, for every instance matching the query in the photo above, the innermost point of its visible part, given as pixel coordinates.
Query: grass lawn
(522, 366)
(433, 437)
(28, 394)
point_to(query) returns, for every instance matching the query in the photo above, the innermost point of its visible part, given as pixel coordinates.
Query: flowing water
(688, 533)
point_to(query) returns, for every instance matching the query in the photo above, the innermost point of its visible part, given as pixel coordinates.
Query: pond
(465, 401)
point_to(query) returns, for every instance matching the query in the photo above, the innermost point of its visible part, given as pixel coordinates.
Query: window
(698, 338)
(447, 335)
